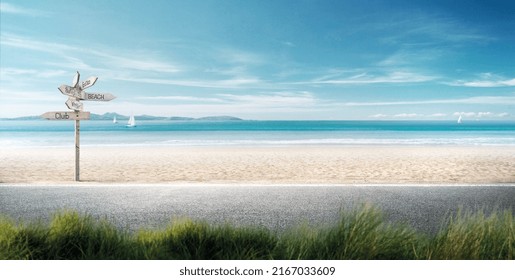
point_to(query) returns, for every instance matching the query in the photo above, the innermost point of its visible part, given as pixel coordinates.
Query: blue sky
(264, 59)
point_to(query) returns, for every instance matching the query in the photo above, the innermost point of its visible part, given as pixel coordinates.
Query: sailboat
(459, 119)
(131, 122)
(114, 120)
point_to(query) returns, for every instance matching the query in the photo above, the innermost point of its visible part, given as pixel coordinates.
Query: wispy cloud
(391, 77)
(222, 84)
(485, 114)
(411, 57)
(481, 114)
(9, 73)
(261, 106)
(471, 100)
(237, 56)
(101, 56)
(440, 115)
(378, 116)
(30, 95)
(429, 29)
(182, 98)
(465, 114)
(276, 99)
(407, 115)
(18, 10)
(137, 61)
(147, 67)
(11, 40)
(270, 99)
(486, 80)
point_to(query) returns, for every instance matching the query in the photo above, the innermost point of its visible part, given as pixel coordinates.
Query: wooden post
(75, 94)
(77, 150)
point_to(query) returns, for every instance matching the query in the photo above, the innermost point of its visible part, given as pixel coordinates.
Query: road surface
(275, 207)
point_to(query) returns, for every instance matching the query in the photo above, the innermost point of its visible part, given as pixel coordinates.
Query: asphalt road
(275, 207)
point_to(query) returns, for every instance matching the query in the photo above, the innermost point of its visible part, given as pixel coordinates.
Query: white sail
(114, 120)
(132, 121)
(459, 119)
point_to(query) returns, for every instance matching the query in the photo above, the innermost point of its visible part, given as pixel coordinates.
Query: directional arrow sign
(64, 116)
(70, 91)
(76, 78)
(86, 96)
(73, 104)
(89, 82)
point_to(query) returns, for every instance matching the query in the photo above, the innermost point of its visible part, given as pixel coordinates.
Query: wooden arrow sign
(74, 104)
(70, 91)
(89, 82)
(65, 116)
(86, 96)
(76, 78)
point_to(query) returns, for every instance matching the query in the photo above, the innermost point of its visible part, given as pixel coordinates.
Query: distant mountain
(28, 118)
(219, 118)
(180, 119)
(110, 116)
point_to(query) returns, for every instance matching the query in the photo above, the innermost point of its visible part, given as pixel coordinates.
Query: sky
(263, 60)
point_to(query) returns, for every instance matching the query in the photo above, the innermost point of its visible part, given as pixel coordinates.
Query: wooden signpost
(76, 94)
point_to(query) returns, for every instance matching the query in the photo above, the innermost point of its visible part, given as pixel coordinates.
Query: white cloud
(115, 60)
(260, 109)
(484, 114)
(146, 67)
(438, 115)
(18, 10)
(265, 100)
(277, 99)
(378, 116)
(227, 84)
(407, 115)
(395, 76)
(15, 95)
(464, 114)
(182, 98)
(486, 84)
(471, 100)
(486, 80)
(411, 57)
(428, 29)
(137, 61)
(481, 114)
(29, 44)
(8, 73)
(237, 56)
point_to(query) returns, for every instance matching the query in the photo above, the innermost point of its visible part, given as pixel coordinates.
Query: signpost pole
(77, 150)
(75, 94)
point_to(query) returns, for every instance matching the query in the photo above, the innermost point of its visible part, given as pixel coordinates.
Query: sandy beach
(274, 165)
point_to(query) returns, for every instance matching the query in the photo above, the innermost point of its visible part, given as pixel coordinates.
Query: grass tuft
(359, 234)
(475, 236)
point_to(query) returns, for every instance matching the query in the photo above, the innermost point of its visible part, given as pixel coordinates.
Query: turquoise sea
(44, 133)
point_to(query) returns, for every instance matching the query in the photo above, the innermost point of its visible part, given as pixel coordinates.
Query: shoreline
(263, 165)
(246, 184)
(254, 145)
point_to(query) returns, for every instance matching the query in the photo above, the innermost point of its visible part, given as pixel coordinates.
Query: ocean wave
(477, 141)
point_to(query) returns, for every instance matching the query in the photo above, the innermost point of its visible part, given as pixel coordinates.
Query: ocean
(45, 133)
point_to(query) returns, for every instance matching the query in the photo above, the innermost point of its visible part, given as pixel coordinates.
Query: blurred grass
(359, 234)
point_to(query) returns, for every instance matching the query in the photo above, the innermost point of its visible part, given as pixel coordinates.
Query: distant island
(110, 116)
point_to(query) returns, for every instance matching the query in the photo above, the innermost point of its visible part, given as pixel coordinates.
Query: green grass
(359, 234)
